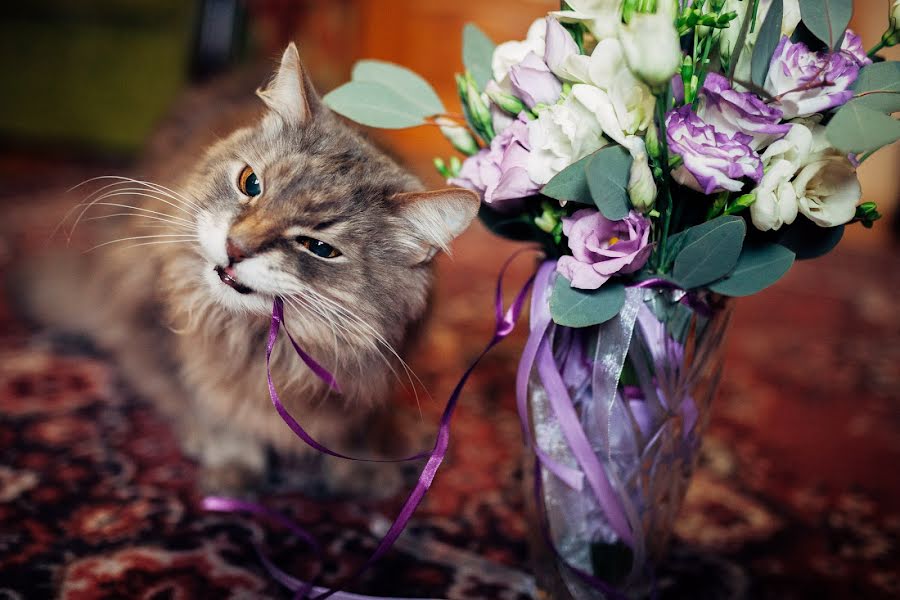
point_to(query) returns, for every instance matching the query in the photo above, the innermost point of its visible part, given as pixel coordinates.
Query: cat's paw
(369, 481)
(233, 479)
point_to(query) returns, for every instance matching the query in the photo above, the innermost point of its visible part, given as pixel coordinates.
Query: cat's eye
(318, 247)
(248, 182)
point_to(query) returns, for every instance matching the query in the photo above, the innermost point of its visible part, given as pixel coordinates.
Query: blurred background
(797, 495)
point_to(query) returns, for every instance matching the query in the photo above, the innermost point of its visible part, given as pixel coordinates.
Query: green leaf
(757, 268)
(807, 240)
(827, 19)
(513, 227)
(769, 36)
(710, 254)
(401, 80)
(478, 50)
(571, 183)
(878, 87)
(572, 307)
(374, 105)
(607, 172)
(858, 128)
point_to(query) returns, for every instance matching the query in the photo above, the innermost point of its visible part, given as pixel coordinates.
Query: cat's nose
(235, 250)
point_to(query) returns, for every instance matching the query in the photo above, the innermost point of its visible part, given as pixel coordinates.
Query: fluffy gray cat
(297, 206)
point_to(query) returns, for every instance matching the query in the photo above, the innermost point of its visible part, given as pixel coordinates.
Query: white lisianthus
(895, 15)
(828, 191)
(508, 54)
(804, 174)
(652, 48)
(602, 17)
(561, 135)
(776, 200)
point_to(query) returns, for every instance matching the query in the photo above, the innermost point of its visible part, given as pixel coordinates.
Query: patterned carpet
(797, 495)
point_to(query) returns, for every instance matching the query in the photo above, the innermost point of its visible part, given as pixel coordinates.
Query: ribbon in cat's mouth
(229, 278)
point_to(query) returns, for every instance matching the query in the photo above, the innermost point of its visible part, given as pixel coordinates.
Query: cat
(299, 206)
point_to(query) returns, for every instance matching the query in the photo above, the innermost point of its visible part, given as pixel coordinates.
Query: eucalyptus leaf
(766, 42)
(859, 128)
(478, 50)
(571, 184)
(510, 226)
(807, 240)
(572, 307)
(692, 234)
(374, 105)
(757, 268)
(827, 19)
(608, 171)
(878, 87)
(712, 254)
(401, 80)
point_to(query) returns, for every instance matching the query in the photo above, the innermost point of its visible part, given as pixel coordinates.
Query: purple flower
(731, 111)
(533, 82)
(602, 248)
(499, 172)
(559, 44)
(713, 161)
(852, 46)
(806, 82)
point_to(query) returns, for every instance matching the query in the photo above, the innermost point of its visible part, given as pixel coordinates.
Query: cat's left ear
(291, 94)
(436, 218)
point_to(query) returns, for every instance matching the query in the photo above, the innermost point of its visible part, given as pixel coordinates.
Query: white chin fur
(256, 302)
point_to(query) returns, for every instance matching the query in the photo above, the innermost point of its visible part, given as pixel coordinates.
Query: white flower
(895, 15)
(652, 48)
(828, 191)
(804, 174)
(776, 200)
(602, 17)
(561, 135)
(512, 53)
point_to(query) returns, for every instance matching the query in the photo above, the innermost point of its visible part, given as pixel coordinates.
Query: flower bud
(651, 141)
(478, 109)
(641, 186)
(441, 167)
(458, 135)
(507, 102)
(652, 48)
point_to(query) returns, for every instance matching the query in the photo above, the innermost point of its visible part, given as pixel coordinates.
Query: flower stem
(877, 48)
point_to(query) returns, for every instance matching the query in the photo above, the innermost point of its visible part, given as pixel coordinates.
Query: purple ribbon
(538, 351)
(505, 323)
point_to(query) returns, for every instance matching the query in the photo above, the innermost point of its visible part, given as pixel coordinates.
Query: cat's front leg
(231, 462)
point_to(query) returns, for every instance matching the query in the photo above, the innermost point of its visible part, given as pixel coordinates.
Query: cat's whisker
(163, 223)
(410, 373)
(122, 180)
(114, 194)
(190, 237)
(363, 327)
(291, 302)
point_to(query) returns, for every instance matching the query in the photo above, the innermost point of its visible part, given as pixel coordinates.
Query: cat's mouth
(229, 278)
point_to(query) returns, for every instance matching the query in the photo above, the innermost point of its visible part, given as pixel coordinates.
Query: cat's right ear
(291, 94)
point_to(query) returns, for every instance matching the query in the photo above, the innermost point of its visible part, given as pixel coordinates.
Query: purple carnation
(852, 46)
(499, 173)
(602, 248)
(806, 82)
(713, 161)
(731, 111)
(533, 82)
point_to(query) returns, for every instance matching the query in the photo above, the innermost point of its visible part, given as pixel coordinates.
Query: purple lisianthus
(713, 161)
(806, 82)
(852, 46)
(499, 173)
(602, 248)
(731, 111)
(533, 82)
(559, 45)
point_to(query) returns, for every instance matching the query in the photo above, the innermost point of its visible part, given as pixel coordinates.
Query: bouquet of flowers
(666, 155)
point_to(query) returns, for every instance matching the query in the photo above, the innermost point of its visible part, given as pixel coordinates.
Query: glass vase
(639, 388)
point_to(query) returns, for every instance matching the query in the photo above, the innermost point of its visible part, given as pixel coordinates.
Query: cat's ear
(291, 94)
(436, 218)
